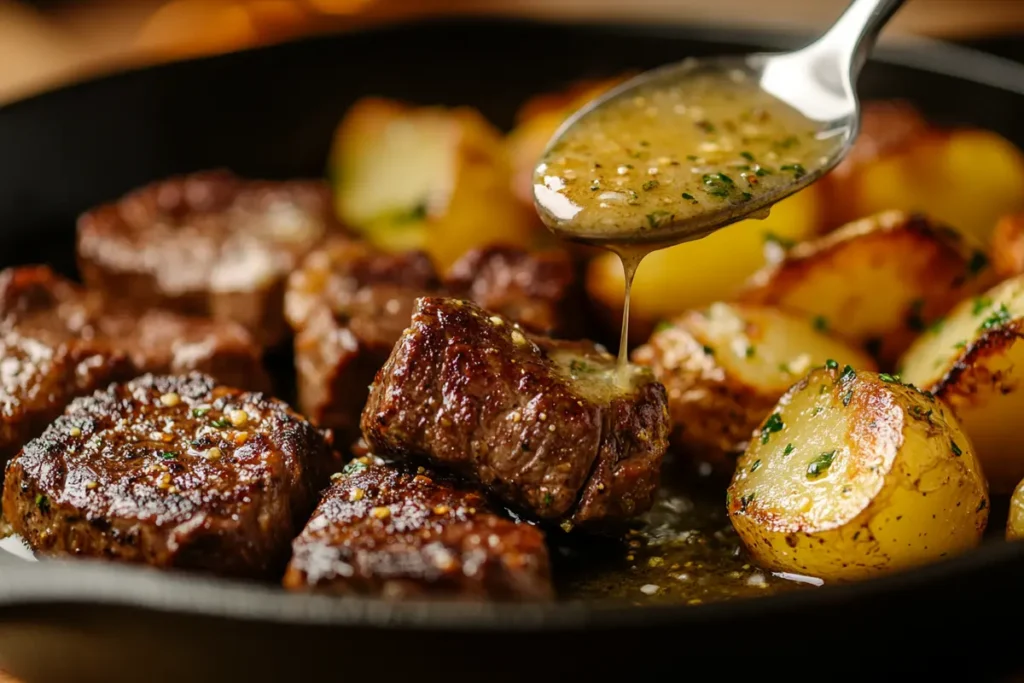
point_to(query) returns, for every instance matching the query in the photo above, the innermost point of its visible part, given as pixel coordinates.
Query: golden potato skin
(881, 280)
(725, 367)
(1015, 521)
(695, 274)
(854, 475)
(426, 178)
(1007, 250)
(967, 178)
(974, 361)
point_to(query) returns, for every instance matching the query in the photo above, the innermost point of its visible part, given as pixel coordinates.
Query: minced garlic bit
(497, 320)
(382, 512)
(170, 399)
(649, 589)
(336, 476)
(551, 428)
(518, 337)
(356, 494)
(238, 418)
(516, 416)
(91, 485)
(542, 417)
(164, 482)
(214, 454)
(173, 490)
(75, 431)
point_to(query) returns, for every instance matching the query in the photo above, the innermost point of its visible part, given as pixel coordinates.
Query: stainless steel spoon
(818, 81)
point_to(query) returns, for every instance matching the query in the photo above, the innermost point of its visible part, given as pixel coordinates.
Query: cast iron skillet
(270, 113)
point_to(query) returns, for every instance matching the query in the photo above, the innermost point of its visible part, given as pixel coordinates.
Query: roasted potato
(974, 361)
(966, 178)
(854, 474)
(879, 281)
(1007, 250)
(695, 274)
(537, 120)
(725, 367)
(1015, 521)
(425, 178)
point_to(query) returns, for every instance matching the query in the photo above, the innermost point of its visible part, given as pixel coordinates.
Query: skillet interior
(271, 113)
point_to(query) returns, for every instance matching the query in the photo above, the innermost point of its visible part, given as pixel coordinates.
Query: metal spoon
(818, 81)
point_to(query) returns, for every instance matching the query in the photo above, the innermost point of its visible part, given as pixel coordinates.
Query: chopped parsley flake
(798, 170)
(746, 500)
(1001, 316)
(756, 466)
(977, 263)
(788, 449)
(747, 155)
(650, 185)
(772, 424)
(772, 238)
(220, 423)
(980, 304)
(820, 464)
(847, 397)
(831, 364)
(354, 466)
(43, 503)
(662, 325)
(820, 323)
(659, 218)
(847, 374)
(886, 377)
(956, 449)
(751, 350)
(708, 350)
(200, 412)
(577, 367)
(690, 198)
(168, 455)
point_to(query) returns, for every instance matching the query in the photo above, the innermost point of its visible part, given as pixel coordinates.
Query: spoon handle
(853, 35)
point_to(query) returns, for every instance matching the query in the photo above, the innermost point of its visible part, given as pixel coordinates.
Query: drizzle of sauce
(670, 164)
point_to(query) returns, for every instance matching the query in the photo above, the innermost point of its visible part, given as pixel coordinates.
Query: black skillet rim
(84, 582)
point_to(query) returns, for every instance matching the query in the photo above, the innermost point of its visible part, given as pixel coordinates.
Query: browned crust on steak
(206, 244)
(129, 474)
(387, 531)
(469, 391)
(537, 289)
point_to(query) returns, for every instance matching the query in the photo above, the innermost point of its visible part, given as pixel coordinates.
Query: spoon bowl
(816, 82)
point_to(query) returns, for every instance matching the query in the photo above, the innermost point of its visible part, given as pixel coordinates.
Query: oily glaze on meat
(207, 244)
(36, 301)
(536, 289)
(537, 421)
(397, 533)
(172, 472)
(348, 305)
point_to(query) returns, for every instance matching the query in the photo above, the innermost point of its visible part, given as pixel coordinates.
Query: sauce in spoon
(671, 163)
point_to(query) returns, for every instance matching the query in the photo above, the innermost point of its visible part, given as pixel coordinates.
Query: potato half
(725, 367)
(974, 360)
(967, 178)
(425, 178)
(879, 281)
(1015, 521)
(854, 474)
(695, 274)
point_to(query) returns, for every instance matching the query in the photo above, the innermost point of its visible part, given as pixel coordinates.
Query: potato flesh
(977, 372)
(881, 280)
(695, 274)
(426, 178)
(1015, 522)
(966, 178)
(893, 494)
(724, 368)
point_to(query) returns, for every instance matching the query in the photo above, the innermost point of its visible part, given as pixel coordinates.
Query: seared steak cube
(387, 531)
(206, 244)
(536, 289)
(172, 472)
(545, 425)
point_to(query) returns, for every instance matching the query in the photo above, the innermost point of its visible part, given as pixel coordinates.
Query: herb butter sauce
(672, 163)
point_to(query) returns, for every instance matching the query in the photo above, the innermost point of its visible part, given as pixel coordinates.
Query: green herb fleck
(798, 170)
(168, 455)
(706, 126)
(1001, 316)
(577, 367)
(820, 323)
(717, 184)
(962, 344)
(548, 499)
(708, 350)
(772, 238)
(831, 364)
(979, 304)
(913, 319)
(200, 412)
(891, 379)
(746, 196)
(43, 503)
(755, 466)
(659, 218)
(650, 185)
(772, 424)
(644, 143)
(820, 464)
(751, 350)
(762, 171)
(220, 423)
(690, 198)
(663, 325)
(847, 374)
(632, 198)
(748, 156)
(788, 142)
(937, 326)
(956, 449)
(746, 500)
(353, 466)
(982, 505)
(692, 157)
(788, 449)
(847, 397)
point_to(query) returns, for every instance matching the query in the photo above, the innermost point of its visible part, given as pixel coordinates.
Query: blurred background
(45, 43)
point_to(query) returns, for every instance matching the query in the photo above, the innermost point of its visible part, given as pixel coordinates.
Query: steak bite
(207, 244)
(541, 423)
(536, 289)
(172, 472)
(348, 305)
(384, 530)
(40, 374)
(38, 302)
